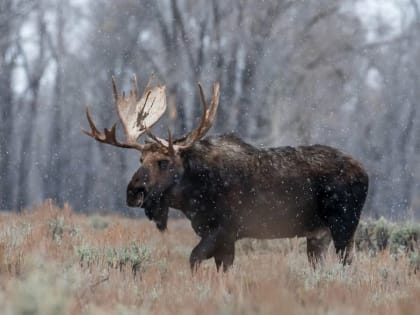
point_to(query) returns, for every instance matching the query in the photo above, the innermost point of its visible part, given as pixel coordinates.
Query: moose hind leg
(342, 231)
(343, 206)
(317, 245)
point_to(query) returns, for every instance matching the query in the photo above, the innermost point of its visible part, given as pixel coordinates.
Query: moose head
(162, 165)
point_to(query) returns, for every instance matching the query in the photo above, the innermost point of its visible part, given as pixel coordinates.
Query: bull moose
(231, 190)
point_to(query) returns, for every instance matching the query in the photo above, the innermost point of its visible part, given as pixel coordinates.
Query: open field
(54, 261)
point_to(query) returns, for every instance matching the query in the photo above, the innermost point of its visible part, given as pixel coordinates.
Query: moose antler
(136, 117)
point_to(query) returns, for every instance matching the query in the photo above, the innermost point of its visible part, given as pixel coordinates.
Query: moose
(231, 190)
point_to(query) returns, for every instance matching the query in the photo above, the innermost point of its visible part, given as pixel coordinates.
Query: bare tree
(34, 71)
(291, 72)
(12, 16)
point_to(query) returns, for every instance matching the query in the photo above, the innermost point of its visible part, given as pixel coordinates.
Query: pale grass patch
(42, 272)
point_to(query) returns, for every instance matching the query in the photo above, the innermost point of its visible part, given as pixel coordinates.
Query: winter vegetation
(55, 261)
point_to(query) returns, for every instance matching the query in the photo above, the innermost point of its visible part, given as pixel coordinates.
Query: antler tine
(119, 102)
(207, 117)
(115, 90)
(171, 148)
(135, 85)
(197, 132)
(94, 131)
(109, 135)
(214, 103)
(162, 142)
(202, 97)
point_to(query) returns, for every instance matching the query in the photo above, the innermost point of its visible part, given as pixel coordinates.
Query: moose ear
(190, 162)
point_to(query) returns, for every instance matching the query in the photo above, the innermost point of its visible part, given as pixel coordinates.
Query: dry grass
(53, 261)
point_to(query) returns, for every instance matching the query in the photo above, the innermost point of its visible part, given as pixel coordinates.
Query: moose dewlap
(230, 190)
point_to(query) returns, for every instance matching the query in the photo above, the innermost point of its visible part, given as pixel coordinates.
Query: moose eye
(163, 164)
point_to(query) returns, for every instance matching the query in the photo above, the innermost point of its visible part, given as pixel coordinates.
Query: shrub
(414, 261)
(404, 238)
(382, 233)
(98, 222)
(58, 227)
(135, 256)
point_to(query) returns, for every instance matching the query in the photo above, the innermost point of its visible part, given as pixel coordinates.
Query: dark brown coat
(230, 190)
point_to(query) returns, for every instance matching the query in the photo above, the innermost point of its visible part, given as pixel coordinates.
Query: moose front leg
(225, 255)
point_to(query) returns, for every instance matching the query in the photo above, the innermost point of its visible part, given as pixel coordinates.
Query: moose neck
(212, 167)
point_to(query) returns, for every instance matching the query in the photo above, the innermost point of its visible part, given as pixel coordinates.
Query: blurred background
(341, 73)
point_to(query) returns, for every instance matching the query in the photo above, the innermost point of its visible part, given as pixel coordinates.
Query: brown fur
(230, 190)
